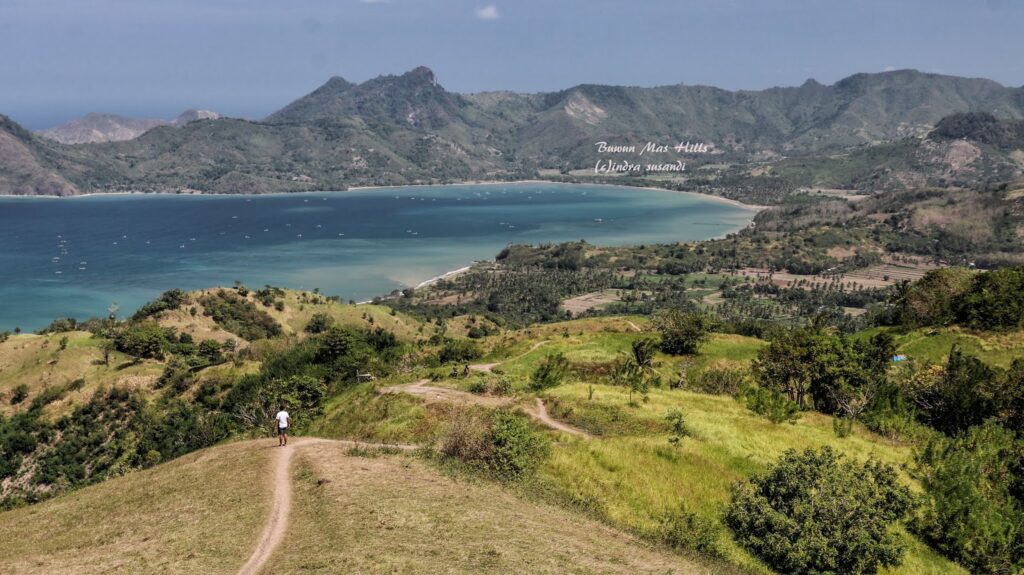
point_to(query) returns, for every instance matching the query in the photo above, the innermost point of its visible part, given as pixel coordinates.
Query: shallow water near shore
(73, 258)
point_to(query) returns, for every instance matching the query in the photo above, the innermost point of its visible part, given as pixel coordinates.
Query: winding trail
(540, 413)
(274, 530)
(434, 394)
(487, 367)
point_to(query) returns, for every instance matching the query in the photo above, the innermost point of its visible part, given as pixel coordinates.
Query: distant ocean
(74, 257)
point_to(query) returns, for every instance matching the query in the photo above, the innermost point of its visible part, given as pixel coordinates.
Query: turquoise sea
(74, 257)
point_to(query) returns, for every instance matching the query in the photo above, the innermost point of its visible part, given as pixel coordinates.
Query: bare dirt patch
(586, 302)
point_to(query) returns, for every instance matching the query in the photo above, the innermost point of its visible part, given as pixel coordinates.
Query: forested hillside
(409, 129)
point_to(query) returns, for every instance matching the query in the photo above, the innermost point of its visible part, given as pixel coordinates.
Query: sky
(60, 59)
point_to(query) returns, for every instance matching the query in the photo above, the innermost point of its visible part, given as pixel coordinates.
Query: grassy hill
(203, 513)
(616, 490)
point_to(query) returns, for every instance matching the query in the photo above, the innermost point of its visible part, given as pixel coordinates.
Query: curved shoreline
(729, 201)
(740, 219)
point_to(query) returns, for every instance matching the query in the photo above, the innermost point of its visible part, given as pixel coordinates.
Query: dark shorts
(282, 431)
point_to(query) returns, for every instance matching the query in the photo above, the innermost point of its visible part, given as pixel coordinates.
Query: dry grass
(38, 362)
(396, 515)
(199, 514)
(299, 307)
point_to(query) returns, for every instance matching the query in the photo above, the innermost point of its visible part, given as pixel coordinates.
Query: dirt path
(633, 325)
(540, 413)
(432, 394)
(487, 367)
(276, 525)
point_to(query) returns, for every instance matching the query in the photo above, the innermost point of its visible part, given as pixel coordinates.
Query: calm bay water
(74, 257)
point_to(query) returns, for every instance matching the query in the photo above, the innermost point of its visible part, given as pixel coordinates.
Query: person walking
(283, 420)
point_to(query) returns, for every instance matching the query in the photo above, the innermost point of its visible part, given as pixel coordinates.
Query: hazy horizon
(249, 58)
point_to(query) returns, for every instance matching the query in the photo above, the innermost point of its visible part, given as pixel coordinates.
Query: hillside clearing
(201, 513)
(396, 515)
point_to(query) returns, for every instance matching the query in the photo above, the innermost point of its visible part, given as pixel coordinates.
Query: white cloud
(489, 12)
(890, 69)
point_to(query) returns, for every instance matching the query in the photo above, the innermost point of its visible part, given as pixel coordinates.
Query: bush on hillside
(814, 513)
(724, 381)
(501, 443)
(319, 323)
(518, 449)
(458, 351)
(771, 404)
(239, 316)
(550, 373)
(19, 394)
(964, 394)
(142, 340)
(822, 369)
(973, 510)
(995, 300)
(60, 325)
(687, 531)
(172, 299)
(682, 332)
(931, 300)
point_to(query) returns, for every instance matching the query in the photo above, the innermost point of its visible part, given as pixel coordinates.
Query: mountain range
(408, 129)
(93, 128)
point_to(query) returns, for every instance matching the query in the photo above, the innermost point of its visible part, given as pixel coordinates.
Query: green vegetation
(239, 316)
(501, 443)
(983, 301)
(682, 333)
(169, 300)
(550, 373)
(814, 513)
(973, 511)
(764, 446)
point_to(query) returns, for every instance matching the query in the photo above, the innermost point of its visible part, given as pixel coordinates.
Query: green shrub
(239, 316)
(686, 531)
(458, 350)
(550, 373)
(518, 449)
(994, 301)
(59, 325)
(47, 396)
(813, 366)
(19, 394)
(972, 512)
(172, 299)
(963, 395)
(842, 426)
(772, 404)
(143, 340)
(502, 386)
(500, 443)
(677, 421)
(302, 396)
(814, 513)
(682, 333)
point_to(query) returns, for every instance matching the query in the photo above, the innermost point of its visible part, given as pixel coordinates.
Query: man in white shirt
(283, 419)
